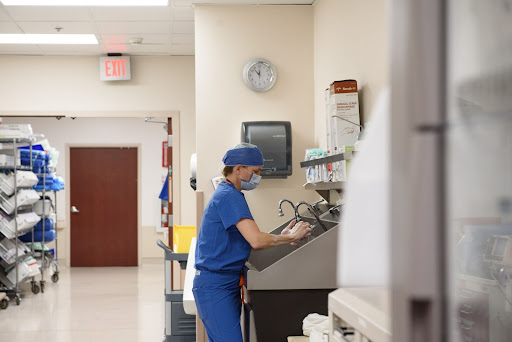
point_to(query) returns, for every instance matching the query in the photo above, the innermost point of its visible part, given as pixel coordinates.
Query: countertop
(368, 310)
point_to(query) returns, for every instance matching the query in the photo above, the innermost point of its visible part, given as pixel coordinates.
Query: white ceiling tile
(183, 27)
(146, 39)
(7, 27)
(48, 13)
(3, 15)
(114, 39)
(73, 53)
(187, 38)
(120, 48)
(15, 48)
(181, 3)
(131, 14)
(49, 27)
(183, 14)
(183, 50)
(46, 48)
(147, 49)
(134, 27)
(22, 53)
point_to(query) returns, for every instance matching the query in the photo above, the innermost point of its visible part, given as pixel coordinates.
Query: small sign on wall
(165, 163)
(115, 68)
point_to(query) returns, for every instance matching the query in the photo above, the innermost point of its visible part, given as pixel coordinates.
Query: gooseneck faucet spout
(281, 210)
(311, 210)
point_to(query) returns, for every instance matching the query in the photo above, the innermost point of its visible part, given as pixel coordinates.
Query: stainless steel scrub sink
(291, 282)
(286, 267)
(260, 260)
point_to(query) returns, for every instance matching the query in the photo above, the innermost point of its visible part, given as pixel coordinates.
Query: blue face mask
(252, 183)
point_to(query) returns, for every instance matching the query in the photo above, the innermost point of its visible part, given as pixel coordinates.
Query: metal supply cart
(48, 257)
(11, 209)
(54, 265)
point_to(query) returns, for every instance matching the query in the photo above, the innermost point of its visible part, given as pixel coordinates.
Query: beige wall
(39, 85)
(227, 37)
(351, 40)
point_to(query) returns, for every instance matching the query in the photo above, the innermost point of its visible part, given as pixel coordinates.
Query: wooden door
(104, 191)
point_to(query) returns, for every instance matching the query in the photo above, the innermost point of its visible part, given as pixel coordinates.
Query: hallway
(90, 305)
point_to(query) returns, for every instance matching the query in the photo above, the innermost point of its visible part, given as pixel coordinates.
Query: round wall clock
(259, 75)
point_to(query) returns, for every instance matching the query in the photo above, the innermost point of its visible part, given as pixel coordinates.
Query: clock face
(259, 75)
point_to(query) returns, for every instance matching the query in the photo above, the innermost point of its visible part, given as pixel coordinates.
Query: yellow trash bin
(182, 237)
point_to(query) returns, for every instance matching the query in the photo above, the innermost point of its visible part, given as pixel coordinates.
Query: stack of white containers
(25, 220)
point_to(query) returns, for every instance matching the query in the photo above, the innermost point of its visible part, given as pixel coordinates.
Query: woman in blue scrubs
(227, 235)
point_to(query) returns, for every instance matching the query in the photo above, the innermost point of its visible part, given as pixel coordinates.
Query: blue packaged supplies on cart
(49, 180)
(40, 159)
(58, 184)
(38, 236)
(35, 162)
(53, 183)
(37, 147)
(48, 225)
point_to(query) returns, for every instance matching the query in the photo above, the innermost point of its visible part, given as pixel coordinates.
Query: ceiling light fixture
(70, 39)
(91, 3)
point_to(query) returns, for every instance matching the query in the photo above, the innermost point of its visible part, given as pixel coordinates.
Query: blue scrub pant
(217, 297)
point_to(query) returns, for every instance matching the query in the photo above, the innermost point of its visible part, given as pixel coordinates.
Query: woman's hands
(259, 240)
(299, 230)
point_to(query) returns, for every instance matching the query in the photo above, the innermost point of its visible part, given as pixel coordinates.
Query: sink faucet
(281, 210)
(314, 204)
(311, 210)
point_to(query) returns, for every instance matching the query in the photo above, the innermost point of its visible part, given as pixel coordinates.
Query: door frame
(68, 194)
(175, 115)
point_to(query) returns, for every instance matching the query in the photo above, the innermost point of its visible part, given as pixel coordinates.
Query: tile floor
(90, 305)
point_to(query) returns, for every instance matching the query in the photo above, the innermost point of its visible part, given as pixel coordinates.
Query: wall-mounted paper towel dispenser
(274, 138)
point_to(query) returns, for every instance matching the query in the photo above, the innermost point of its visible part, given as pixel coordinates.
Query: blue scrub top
(220, 246)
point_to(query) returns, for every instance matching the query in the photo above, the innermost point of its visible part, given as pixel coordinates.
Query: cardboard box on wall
(344, 103)
(328, 122)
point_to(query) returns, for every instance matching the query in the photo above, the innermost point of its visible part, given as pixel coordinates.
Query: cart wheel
(4, 304)
(17, 299)
(55, 277)
(42, 287)
(35, 289)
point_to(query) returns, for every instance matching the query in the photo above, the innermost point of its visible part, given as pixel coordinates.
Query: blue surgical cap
(245, 154)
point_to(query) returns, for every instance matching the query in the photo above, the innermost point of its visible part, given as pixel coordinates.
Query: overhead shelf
(324, 186)
(330, 191)
(326, 160)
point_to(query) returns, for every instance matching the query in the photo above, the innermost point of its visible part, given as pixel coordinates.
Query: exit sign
(115, 68)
